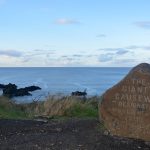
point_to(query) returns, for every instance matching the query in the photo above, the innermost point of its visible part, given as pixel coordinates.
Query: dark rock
(11, 90)
(32, 88)
(78, 93)
(125, 108)
(22, 92)
(26, 90)
(2, 86)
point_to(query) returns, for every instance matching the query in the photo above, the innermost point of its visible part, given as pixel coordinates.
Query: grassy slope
(10, 110)
(52, 107)
(82, 110)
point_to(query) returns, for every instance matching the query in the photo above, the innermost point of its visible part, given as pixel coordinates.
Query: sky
(74, 33)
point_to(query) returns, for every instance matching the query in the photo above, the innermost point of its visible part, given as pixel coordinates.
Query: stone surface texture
(125, 108)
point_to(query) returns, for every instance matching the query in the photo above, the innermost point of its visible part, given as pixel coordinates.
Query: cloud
(121, 51)
(126, 49)
(101, 35)
(125, 56)
(110, 56)
(71, 57)
(143, 24)
(125, 61)
(11, 53)
(64, 21)
(133, 47)
(38, 54)
(77, 58)
(108, 49)
(106, 57)
(146, 47)
(77, 55)
(43, 51)
(64, 56)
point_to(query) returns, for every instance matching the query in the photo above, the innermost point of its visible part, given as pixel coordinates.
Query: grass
(52, 107)
(81, 110)
(10, 110)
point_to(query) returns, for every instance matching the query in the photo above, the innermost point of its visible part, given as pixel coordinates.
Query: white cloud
(106, 57)
(54, 58)
(143, 24)
(11, 53)
(64, 21)
(101, 35)
(121, 51)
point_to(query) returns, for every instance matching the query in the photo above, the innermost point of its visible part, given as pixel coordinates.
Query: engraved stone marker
(125, 108)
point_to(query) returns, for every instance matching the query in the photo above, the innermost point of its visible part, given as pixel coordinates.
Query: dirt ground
(72, 134)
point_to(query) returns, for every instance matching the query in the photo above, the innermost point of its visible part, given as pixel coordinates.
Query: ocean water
(62, 80)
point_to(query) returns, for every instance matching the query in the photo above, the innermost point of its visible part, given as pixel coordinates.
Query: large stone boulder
(125, 108)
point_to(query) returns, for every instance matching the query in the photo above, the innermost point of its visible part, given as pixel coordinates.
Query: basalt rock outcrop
(11, 90)
(79, 93)
(125, 108)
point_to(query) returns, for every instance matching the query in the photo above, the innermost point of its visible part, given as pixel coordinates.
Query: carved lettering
(129, 97)
(124, 88)
(140, 98)
(123, 97)
(147, 99)
(139, 82)
(140, 89)
(133, 89)
(129, 104)
(117, 96)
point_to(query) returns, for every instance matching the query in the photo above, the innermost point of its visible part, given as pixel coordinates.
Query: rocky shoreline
(10, 90)
(72, 134)
(54, 124)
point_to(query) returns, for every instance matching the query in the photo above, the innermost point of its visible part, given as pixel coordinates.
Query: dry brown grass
(6, 102)
(58, 106)
(54, 106)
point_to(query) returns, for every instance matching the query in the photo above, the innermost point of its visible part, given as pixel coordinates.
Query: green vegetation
(82, 110)
(10, 110)
(52, 107)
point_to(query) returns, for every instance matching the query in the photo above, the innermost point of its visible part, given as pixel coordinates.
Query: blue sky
(74, 33)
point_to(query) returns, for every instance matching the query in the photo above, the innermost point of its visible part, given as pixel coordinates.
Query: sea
(62, 80)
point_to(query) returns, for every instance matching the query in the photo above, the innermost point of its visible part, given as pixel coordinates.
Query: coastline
(63, 80)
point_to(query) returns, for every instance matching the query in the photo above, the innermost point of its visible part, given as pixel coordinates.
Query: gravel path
(73, 134)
